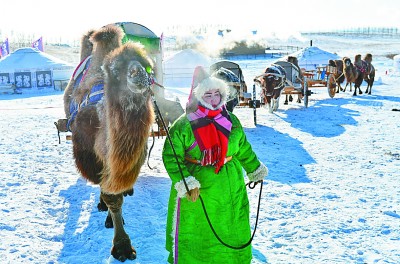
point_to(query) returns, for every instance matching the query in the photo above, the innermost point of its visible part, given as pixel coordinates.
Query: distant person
(212, 151)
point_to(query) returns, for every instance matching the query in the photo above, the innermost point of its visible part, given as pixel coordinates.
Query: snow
(332, 194)
(311, 57)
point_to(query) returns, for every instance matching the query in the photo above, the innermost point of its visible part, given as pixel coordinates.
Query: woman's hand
(193, 194)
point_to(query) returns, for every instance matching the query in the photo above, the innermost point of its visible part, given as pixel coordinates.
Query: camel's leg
(286, 100)
(345, 87)
(101, 206)
(299, 98)
(122, 248)
(371, 82)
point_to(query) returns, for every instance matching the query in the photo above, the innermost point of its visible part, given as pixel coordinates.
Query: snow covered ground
(332, 195)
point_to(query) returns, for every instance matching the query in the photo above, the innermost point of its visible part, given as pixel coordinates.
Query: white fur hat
(208, 84)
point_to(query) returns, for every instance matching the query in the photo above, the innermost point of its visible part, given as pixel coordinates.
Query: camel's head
(357, 58)
(368, 57)
(128, 70)
(347, 62)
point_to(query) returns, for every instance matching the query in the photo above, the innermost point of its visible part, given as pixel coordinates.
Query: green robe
(189, 236)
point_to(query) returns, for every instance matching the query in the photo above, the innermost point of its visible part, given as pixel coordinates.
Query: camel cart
(236, 81)
(323, 76)
(294, 84)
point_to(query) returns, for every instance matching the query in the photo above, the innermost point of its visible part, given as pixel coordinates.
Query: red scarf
(211, 129)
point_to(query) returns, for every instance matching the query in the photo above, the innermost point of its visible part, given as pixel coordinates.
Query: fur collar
(209, 84)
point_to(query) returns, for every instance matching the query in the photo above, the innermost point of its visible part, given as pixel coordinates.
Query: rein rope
(250, 184)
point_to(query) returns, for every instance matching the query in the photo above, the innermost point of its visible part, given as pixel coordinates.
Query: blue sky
(70, 19)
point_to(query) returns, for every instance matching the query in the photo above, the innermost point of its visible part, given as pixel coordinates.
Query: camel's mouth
(138, 79)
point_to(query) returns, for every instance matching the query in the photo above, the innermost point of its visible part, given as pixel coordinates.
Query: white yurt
(29, 69)
(178, 69)
(396, 63)
(311, 57)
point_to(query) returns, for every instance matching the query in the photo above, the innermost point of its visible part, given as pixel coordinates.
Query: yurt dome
(31, 69)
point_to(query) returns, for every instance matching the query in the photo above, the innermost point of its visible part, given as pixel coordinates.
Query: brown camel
(369, 76)
(353, 75)
(339, 75)
(109, 135)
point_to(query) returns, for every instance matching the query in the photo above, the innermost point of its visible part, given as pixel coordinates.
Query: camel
(353, 75)
(109, 135)
(369, 77)
(339, 75)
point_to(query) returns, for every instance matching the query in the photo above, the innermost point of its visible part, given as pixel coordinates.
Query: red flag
(38, 44)
(4, 49)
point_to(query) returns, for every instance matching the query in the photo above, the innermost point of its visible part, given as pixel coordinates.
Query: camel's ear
(110, 67)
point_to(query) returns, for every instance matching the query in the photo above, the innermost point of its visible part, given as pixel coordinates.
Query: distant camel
(353, 75)
(109, 135)
(369, 76)
(339, 75)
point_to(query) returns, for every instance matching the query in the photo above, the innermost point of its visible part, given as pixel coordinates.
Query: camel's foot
(341, 89)
(360, 92)
(299, 100)
(286, 102)
(355, 93)
(123, 250)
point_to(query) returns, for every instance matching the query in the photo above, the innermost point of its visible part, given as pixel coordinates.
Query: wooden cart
(323, 76)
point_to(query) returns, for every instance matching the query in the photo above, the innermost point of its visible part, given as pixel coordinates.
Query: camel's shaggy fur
(110, 138)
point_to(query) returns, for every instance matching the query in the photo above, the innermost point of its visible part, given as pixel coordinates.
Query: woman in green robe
(212, 151)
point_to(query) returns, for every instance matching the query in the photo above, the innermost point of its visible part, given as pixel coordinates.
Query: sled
(294, 84)
(237, 80)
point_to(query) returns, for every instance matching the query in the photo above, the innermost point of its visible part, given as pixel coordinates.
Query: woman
(211, 149)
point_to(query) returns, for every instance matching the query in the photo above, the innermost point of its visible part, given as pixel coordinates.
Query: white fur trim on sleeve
(191, 182)
(259, 174)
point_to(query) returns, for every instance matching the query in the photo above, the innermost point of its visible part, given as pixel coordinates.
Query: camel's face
(347, 62)
(138, 79)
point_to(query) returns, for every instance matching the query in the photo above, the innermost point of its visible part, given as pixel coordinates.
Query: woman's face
(212, 97)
